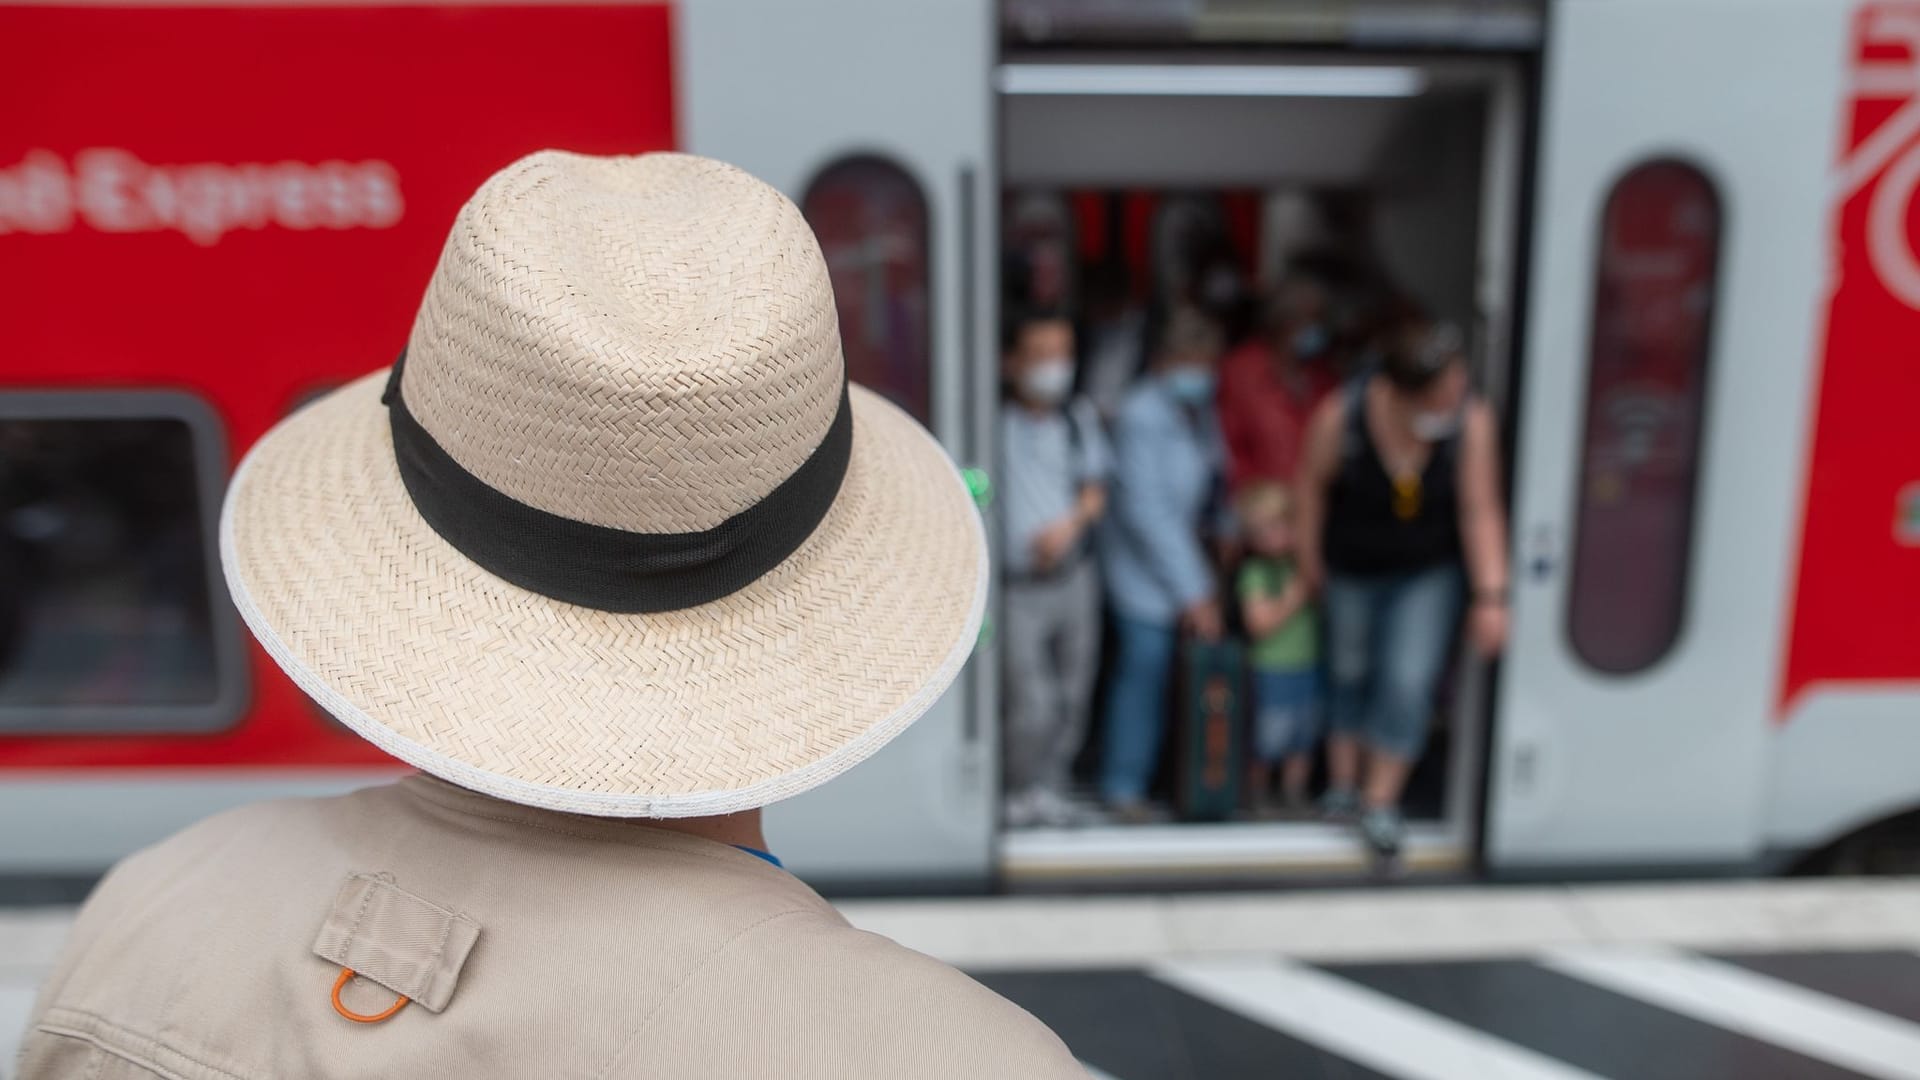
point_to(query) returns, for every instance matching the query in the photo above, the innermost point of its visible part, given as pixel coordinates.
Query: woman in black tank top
(1383, 520)
(1399, 512)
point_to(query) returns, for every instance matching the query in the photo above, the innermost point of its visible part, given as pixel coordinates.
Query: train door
(1138, 182)
(1678, 283)
(873, 116)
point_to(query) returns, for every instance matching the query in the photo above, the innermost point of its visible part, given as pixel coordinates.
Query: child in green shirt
(1284, 634)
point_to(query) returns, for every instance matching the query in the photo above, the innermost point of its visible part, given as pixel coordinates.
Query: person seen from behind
(1159, 579)
(1400, 514)
(1054, 465)
(615, 556)
(1283, 631)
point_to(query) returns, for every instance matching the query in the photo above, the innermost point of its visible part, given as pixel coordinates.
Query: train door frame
(903, 84)
(1192, 853)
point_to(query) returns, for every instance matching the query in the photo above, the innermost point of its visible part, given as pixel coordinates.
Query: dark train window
(1646, 396)
(871, 217)
(113, 616)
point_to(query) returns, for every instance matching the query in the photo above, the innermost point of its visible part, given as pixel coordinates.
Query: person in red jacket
(1270, 385)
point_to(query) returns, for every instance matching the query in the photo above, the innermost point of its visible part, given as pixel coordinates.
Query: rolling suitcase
(1211, 729)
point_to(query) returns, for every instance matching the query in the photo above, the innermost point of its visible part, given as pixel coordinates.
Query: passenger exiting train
(1054, 465)
(1399, 500)
(1271, 384)
(1159, 578)
(1283, 627)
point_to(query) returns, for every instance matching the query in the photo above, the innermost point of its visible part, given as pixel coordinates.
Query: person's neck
(1036, 408)
(740, 830)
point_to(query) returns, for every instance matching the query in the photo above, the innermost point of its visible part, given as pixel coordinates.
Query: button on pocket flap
(408, 944)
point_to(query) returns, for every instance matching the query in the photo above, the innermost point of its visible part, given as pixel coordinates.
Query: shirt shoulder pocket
(405, 942)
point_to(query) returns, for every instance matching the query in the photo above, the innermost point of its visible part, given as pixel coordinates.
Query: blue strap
(758, 854)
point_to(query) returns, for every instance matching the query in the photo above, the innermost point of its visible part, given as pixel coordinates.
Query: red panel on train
(1854, 610)
(246, 203)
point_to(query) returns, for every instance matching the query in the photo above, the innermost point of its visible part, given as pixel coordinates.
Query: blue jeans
(1387, 644)
(1136, 714)
(1286, 714)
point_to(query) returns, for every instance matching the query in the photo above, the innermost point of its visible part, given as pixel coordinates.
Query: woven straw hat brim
(710, 710)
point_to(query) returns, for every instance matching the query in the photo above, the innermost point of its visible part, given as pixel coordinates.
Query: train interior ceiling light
(1214, 80)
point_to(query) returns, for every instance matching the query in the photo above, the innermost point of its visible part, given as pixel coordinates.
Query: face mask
(1048, 381)
(1434, 426)
(1309, 341)
(1192, 385)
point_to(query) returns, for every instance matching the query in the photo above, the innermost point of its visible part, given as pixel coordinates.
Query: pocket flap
(408, 944)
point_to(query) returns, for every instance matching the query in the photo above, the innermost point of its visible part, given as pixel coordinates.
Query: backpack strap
(1076, 439)
(1078, 412)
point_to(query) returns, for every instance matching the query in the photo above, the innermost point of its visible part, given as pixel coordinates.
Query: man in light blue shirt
(1158, 575)
(1054, 466)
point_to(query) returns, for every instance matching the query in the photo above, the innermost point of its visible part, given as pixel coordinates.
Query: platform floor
(1811, 979)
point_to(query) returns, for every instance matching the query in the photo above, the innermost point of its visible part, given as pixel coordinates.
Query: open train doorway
(1294, 201)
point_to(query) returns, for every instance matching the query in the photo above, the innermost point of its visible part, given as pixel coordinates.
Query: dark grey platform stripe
(1886, 981)
(1584, 1025)
(1138, 1028)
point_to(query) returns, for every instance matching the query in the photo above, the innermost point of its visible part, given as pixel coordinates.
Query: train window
(871, 217)
(113, 616)
(1646, 394)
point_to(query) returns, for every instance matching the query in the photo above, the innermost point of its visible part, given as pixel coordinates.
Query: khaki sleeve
(119, 900)
(103, 907)
(831, 1002)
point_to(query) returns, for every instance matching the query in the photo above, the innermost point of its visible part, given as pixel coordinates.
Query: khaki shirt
(531, 945)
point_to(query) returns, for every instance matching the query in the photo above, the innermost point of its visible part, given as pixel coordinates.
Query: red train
(209, 214)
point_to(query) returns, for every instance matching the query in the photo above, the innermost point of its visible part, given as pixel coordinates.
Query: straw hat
(620, 540)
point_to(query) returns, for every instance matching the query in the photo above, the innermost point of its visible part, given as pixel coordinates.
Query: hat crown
(644, 343)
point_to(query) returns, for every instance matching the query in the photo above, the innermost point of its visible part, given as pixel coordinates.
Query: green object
(980, 484)
(1295, 644)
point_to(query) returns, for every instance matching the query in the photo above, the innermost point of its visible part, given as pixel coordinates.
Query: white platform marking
(1359, 1024)
(1063, 932)
(1811, 1023)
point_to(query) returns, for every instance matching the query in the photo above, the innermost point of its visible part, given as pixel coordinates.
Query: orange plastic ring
(346, 973)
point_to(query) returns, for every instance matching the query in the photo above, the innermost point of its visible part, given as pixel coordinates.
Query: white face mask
(1192, 385)
(1048, 381)
(1434, 426)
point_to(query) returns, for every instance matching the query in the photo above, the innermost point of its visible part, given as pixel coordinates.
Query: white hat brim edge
(605, 804)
